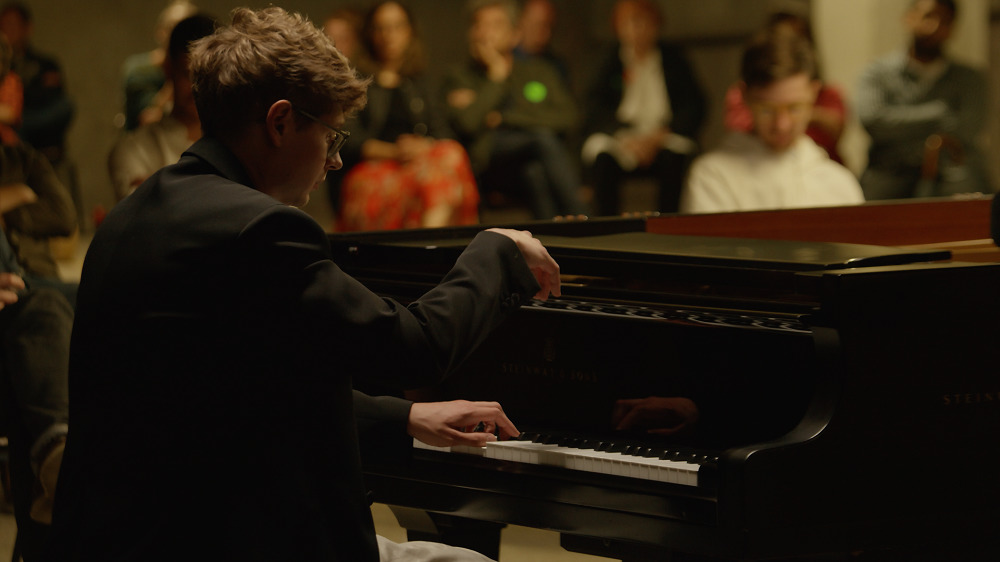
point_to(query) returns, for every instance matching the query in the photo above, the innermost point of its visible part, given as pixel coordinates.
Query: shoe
(45, 487)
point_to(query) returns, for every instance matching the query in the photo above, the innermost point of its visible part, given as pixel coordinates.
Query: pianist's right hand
(545, 268)
(445, 424)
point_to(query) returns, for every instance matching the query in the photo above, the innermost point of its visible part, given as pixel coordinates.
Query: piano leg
(420, 525)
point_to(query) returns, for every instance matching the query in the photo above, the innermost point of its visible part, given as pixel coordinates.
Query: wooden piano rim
(960, 224)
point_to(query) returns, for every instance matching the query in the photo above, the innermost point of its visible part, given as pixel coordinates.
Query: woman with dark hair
(404, 169)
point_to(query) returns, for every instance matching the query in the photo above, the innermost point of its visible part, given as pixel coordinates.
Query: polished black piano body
(849, 395)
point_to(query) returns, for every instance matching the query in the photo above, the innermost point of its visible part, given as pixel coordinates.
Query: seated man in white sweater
(776, 165)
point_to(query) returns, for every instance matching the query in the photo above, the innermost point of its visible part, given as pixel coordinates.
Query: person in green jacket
(512, 114)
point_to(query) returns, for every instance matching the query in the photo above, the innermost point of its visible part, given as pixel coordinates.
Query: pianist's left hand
(545, 268)
(445, 424)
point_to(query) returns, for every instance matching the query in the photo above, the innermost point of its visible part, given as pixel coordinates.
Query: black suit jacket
(687, 100)
(211, 369)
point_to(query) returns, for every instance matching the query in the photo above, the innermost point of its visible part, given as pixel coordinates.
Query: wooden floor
(7, 532)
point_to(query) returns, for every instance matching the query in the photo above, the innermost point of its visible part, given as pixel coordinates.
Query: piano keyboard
(615, 463)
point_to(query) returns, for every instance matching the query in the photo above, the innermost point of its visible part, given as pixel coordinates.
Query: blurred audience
(776, 165)
(35, 206)
(138, 154)
(925, 114)
(510, 113)
(47, 111)
(148, 93)
(536, 26)
(645, 111)
(343, 26)
(512, 110)
(402, 168)
(35, 325)
(829, 112)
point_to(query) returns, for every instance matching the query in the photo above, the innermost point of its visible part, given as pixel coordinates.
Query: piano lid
(735, 252)
(639, 262)
(704, 250)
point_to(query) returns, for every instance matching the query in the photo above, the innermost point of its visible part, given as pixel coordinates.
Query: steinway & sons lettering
(962, 399)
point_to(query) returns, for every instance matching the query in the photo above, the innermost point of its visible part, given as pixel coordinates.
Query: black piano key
(615, 447)
(572, 442)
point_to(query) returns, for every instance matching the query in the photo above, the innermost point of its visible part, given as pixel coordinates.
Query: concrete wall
(93, 38)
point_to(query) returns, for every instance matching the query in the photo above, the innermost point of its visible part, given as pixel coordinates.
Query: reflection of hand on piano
(446, 424)
(655, 414)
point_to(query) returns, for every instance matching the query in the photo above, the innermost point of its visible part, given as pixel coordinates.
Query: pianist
(215, 341)
(776, 165)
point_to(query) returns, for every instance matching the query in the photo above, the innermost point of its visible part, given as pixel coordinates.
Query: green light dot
(535, 92)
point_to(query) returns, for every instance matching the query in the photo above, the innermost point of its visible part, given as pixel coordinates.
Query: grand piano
(799, 399)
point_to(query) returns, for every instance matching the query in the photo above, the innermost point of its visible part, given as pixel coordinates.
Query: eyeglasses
(339, 137)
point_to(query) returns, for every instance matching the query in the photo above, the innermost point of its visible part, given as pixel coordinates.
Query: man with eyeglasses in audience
(776, 165)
